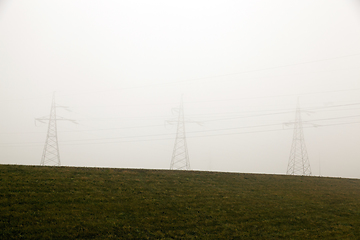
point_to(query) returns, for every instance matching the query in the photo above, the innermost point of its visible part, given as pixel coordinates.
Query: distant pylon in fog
(51, 154)
(299, 160)
(180, 156)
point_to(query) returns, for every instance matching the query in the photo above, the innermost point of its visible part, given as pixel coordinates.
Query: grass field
(104, 203)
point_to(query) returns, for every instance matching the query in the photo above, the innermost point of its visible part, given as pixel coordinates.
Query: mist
(122, 66)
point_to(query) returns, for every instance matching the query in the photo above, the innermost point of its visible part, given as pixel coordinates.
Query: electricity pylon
(180, 156)
(51, 154)
(299, 163)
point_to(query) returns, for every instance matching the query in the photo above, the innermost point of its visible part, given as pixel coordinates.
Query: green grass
(103, 203)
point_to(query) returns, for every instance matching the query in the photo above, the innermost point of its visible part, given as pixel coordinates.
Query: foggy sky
(121, 66)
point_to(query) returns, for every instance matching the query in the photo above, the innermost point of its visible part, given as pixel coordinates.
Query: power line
(229, 118)
(257, 115)
(281, 112)
(201, 136)
(161, 125)
(207, 131)
(208, 114)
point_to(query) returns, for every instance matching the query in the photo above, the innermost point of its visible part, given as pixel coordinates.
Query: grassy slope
(91, 203)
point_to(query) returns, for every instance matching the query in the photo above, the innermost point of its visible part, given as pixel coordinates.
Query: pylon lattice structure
(51, 154)
(299, 163)
(180, 156)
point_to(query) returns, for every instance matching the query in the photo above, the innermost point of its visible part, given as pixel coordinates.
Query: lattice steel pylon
(299, 163)
(51, 154)
(180, 156)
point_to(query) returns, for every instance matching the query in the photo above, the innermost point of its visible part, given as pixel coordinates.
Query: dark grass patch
(103, 203)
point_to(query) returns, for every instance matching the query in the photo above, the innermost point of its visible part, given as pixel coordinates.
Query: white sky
(121, 66)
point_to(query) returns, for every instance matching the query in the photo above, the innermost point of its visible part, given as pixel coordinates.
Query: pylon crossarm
(57, 119)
